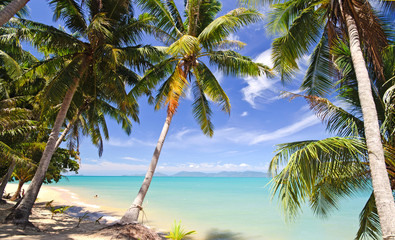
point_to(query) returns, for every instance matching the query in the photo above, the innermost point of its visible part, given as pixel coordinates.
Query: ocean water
(217, 208)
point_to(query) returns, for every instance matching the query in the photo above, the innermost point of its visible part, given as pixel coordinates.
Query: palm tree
(10, 156)
(9, 10)
(90, 117)
(95, 52)
(200, 36)
(323, 171)
(301, 24)
(16, 106)
(62, 161)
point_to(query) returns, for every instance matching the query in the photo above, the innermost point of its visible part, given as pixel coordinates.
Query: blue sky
(243, 141)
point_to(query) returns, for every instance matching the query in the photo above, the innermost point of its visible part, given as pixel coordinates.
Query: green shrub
(178, 232)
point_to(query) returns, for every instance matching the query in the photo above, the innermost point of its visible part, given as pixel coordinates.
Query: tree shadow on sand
(216, 234)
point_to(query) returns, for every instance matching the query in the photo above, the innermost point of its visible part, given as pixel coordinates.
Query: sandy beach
(83, 220)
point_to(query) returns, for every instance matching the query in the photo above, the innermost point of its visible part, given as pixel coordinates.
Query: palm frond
(153, 76)
(301, 35)
(171, 90)
(71, 13)
(116, 10)
(201, 107)
(175, 15)
(372, 33)
(99, 27)
(337, 119)
(11, 65)
(164, 17)
(284, 14)
(9, 153)
(369, 222)
(219, 29)
(210, 86)
(58, 85)
(132, 31)
(256, 3)
(184, 46)
(45, 38)
(142, 57)
(318, 78)
(319, 171)
(229, 44)
(233, 63)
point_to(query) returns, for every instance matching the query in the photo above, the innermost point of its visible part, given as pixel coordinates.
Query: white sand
(64, 197)
(62, 226)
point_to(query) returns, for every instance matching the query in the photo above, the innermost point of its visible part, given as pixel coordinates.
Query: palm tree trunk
(6, 178)
(67, 129)
(132, 214)
(380, 181)
(22, 212)
(10, 10)
(64, 133)
(18, 191)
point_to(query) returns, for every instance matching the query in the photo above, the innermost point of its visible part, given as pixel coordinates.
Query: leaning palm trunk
(380, 181)
(17, 193)
(10, 10)
(132, 214)
(6, 178)
(68, 127)
(64, 133)
(21, 213)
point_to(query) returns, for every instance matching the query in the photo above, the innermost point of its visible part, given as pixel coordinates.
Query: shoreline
(236, 207)
(79, 206)
(82, 221)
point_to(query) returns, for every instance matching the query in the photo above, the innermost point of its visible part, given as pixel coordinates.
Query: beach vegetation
(63, 160)
(321, 172)
(200, 36)
(18, 108)
(178, 232)
(96, 50)
(48, 204)
(58, 210)
(302, 25)
(82, 218)
(22, 130)
(98, 220)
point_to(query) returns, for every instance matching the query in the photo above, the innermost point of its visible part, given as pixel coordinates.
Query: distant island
(218, 174)
(196, 174)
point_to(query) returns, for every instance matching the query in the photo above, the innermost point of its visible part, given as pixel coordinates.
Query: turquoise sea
(217, 208)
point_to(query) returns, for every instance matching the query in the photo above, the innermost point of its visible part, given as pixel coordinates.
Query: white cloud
(107, 168)
(239, 135)
(260, 87)
(130, 142)
(219, 75)
(178, 136)
(188, 93)
(265, 90)
(113, 168)
(285, 95)
(212, 167)
(233, 37)
(244, 114)
(303, 63)
(134, 159)
(265, 58)
(288, 130)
